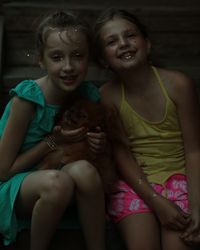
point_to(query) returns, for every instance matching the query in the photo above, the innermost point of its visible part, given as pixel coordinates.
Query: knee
(86, 176)
(56, 184)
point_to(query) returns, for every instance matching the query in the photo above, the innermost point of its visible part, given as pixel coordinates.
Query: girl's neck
(54, 96)
(137, 79)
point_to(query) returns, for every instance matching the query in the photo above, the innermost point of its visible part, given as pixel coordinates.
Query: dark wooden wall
(174, 29)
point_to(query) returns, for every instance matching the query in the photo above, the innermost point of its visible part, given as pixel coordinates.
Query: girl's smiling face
(123, 45)
(65, 58)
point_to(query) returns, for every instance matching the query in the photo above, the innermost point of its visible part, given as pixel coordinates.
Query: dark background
(173, 26)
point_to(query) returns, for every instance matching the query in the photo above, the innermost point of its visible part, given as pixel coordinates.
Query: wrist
(154, 200)
(149, 195)
(50, 142)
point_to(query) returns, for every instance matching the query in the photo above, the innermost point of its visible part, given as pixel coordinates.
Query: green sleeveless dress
(41, 124)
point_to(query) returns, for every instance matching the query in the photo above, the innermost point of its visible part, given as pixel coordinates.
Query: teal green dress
(41, 124)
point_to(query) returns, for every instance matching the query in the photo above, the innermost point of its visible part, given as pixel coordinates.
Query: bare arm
(130, 171)
(188, 107)
(21, 114)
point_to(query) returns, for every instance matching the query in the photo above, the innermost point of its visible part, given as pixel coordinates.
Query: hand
(62, 136)
(170, 215)
(191, 235)
(97, 141)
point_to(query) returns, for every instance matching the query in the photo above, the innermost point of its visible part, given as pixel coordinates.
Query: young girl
(63, 42)
(156, 204)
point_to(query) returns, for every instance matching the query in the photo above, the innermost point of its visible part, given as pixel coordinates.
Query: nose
(123, 41)
(67, 65)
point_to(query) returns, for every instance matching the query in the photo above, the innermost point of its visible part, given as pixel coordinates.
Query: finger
(185, 215)
(95, 151)
(180, 226)
(192, 240)
(96, 148)
(178, 223)
(57, 128)
(74, 135)
(176, 226)
(184, 219)
(73, 132)
(97, 141)
(190, 230)
(98, 135)
(196, 239)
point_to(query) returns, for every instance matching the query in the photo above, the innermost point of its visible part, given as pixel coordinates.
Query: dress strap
(160, 82)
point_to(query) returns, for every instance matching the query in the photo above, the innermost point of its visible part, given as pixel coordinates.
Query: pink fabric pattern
(124, 201)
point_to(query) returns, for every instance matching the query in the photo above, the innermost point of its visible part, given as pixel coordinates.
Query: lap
(41, 178)
(81, 171)
(124, 201)
(135, 219)
(35, 184)
(40, 181)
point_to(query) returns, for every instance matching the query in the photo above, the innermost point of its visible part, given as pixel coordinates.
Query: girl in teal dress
(63, 43)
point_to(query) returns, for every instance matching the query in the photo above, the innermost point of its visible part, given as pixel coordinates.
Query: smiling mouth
(127, 56)
(68, 79)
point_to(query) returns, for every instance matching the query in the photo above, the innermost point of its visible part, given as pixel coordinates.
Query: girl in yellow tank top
(159, 156)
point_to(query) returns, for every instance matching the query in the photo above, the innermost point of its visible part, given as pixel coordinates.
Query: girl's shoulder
(175, 77)
(28, 90)
(176, 82)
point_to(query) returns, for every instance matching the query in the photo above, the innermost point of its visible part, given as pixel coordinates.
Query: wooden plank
(105, 3)
(187, 20)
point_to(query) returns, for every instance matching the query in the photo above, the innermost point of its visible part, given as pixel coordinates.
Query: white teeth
(127, 56)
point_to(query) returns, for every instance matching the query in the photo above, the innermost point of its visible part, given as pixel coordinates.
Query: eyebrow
(124, 31)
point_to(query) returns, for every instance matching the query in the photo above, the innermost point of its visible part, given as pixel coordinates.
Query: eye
(110, 42)
(130, 34)
(77, 54)
(56, 57)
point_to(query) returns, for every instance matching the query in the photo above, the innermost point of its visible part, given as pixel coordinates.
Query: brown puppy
(83, 113)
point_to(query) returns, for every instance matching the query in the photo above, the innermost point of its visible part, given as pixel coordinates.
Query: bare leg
(90, 200)
(140, 232)
(172, 241)
(42, 196)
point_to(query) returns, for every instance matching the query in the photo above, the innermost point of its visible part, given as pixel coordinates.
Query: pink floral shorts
(124, 201)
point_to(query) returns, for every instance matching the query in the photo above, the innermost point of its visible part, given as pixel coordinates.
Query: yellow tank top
(156, 146)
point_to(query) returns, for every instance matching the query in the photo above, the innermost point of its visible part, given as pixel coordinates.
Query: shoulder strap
(160, 82)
